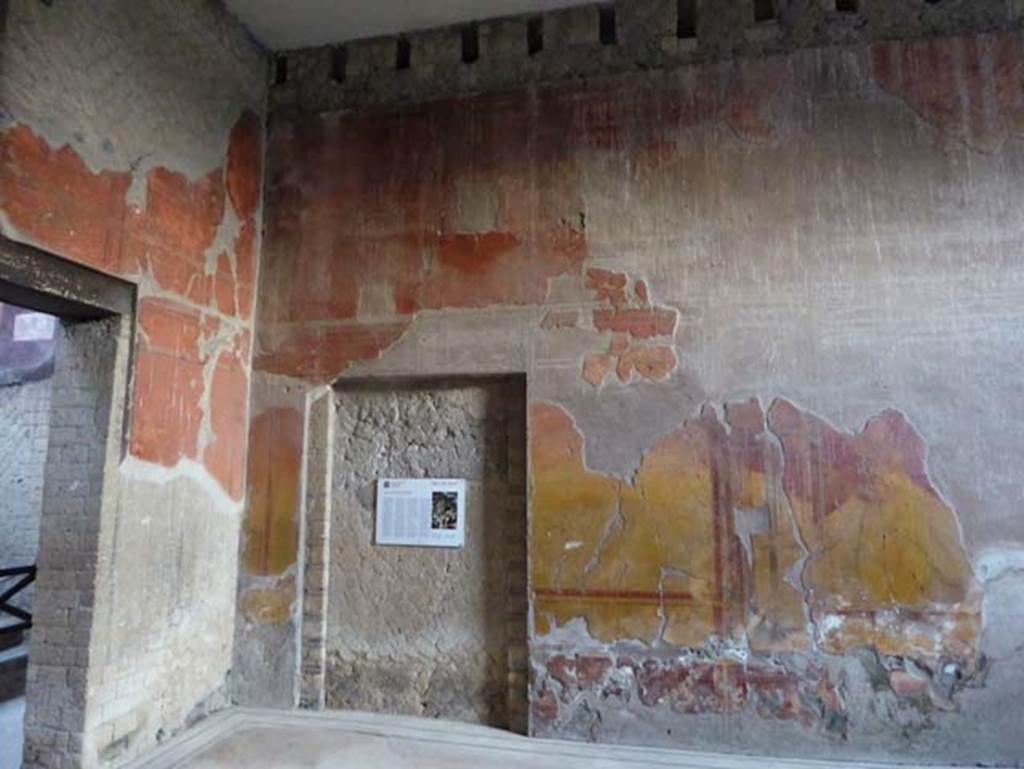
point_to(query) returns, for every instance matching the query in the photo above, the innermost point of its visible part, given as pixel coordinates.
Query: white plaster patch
(996, 562)
(133, 468)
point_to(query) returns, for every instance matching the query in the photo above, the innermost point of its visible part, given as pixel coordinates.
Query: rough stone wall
(424, 631)
(767, 310)
(24, 430)
(131, 142)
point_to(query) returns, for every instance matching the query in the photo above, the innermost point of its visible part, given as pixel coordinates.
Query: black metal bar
(15, 571)
(20, 585)
(28, 576)
(14, 611)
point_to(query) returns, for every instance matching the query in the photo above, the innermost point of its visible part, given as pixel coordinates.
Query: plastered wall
(767, 310)
(131, 142)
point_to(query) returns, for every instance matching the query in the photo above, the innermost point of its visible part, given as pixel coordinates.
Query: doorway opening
(65, 337)
(432, 631)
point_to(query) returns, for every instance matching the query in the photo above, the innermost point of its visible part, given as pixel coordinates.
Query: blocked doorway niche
(422, 631)
(89, 317)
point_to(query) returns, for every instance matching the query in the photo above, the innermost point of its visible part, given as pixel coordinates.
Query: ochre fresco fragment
(887, 565)
(275, 464)
(669, 565)
(269, 605)
(704, 542)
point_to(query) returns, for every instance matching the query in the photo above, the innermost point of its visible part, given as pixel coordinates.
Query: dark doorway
(65, 337)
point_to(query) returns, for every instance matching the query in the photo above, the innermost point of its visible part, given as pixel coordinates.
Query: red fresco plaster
(370, 200)
(51, 198)
(641, 323)
(168, 239)
(318, 354)
(224, 456)
(244, 165)
(690, 687)
(629, 317)
(969, 87)
(167, 409)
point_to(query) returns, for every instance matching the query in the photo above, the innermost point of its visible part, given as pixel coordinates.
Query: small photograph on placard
(444, 513)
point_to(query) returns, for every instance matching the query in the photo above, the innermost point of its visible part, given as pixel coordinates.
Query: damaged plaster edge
(995, 563)
(134, 469)
(9, 231)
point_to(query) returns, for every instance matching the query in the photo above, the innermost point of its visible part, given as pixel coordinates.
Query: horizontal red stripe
(629, 595)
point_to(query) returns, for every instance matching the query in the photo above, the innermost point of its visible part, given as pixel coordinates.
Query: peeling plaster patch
(1002, 571)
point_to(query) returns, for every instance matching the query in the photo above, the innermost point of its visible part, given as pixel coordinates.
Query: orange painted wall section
(195, 305)
(275, 469)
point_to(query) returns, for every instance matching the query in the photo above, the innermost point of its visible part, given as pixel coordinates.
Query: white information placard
(428, 512)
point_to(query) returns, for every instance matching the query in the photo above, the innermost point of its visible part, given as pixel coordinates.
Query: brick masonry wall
(65, 689)
(24, 431)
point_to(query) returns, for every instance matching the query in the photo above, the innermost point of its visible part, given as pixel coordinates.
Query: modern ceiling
(284, 24)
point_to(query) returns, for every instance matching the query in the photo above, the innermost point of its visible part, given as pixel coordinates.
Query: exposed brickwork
(79, 508)
(316, 549)
(24, 432)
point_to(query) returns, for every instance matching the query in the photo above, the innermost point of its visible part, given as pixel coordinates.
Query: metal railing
(23, 576)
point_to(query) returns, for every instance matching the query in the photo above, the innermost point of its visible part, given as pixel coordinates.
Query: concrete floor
(249, 739)
(11, 714)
